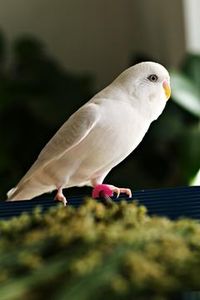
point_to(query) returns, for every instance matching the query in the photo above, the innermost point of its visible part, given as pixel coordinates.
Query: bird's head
(148, 84)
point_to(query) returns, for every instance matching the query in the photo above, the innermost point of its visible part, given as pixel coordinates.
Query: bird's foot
(60, 197)
(107, 190)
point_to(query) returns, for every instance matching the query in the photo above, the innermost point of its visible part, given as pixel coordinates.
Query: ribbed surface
(170, 202)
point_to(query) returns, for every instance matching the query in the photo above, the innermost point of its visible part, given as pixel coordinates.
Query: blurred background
(55, 55)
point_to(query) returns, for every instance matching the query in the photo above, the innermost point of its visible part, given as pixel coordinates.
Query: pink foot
(60, 197)
(107, 190)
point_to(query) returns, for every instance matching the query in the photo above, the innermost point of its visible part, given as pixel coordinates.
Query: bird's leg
(60, 197)
(103, 190)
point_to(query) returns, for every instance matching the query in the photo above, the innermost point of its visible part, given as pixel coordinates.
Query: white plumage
(100, 134)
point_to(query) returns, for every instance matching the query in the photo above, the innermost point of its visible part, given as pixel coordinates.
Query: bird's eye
(153, 77)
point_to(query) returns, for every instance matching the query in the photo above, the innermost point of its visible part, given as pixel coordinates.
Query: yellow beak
(167, 89)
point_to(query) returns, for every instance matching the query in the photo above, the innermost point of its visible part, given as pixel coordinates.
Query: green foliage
(94, 251)
(186, 93)
(186, 85)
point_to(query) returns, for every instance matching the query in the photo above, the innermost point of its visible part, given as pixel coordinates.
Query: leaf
(196, 179)
(191, 68)
(189, 152)
(185, 93)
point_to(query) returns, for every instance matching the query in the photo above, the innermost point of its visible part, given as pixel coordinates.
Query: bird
(99, 135)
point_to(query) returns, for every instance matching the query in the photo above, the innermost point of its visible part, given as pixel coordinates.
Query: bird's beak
(167, 89)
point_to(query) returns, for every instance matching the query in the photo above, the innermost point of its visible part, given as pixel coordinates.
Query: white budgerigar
(99, 135)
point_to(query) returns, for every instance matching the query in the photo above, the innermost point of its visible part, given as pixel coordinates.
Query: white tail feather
(28, 190)
(11, 192)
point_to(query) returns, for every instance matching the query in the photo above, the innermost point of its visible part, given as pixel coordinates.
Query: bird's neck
(149, 109)
(112, 91)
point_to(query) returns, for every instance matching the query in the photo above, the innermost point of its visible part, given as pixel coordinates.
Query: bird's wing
(73, 131)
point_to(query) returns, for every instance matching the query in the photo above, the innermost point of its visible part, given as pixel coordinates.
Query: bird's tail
(11, 192)
(27, 190)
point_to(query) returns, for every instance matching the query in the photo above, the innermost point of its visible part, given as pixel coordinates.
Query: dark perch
(170, 202)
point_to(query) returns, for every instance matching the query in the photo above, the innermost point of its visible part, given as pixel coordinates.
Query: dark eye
(153, 77)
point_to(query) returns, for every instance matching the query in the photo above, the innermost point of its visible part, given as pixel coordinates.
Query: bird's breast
(117, 133)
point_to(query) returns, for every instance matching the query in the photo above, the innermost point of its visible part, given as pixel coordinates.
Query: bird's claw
(106, 190)
(126, 191)
(102, 190)
(60, 197)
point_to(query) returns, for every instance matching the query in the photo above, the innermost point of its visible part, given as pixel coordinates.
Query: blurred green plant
(94, 251)
(186, 93)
